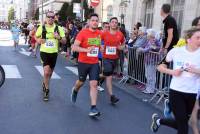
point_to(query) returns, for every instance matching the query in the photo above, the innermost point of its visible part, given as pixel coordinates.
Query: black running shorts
(48, 59)
(85, 69)
(109, 66)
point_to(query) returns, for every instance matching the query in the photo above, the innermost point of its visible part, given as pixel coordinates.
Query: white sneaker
(100, 88)
(147, 92)
(63, 53)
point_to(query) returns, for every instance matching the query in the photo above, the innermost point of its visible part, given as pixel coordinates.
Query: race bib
(50, 44)
(111, 50)
(94, 52)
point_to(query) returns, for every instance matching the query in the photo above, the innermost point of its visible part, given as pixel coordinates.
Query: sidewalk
(136, 93)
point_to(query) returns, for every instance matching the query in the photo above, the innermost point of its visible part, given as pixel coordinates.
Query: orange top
(89, 38)
(111, 42)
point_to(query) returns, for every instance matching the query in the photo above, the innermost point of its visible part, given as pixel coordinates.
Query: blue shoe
(167, 110)
(94, 112)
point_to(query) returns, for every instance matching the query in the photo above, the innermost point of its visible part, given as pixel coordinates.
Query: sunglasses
(52, 17)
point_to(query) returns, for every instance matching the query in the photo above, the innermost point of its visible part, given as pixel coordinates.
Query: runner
(101, 80)
(182, 93)
(88, 43)
(114, 41)
(33, 41)
(48, 36)
(15, 35)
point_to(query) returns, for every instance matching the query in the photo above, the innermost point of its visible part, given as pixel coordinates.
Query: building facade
(32, 7)
(21, 9)
(147, 12)
(4, 8)
(49, 5)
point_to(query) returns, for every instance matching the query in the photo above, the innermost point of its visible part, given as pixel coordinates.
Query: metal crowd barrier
(142, 68)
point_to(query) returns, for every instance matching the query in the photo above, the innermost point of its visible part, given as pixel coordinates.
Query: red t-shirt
(111, 41)
(89, 38)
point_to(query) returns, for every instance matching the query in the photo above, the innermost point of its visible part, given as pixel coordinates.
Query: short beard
(94, 28)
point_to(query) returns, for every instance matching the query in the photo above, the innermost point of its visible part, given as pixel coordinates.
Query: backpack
(44, 31)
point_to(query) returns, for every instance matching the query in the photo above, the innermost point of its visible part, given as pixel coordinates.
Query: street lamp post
(20, 13)
(42, 12)
(123, 5)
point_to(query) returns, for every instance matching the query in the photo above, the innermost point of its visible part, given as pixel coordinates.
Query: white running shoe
(100, 88)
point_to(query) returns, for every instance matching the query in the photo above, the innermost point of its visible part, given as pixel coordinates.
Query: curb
(136, 93)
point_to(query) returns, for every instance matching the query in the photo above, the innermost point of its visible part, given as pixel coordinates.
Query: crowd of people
(100, 53)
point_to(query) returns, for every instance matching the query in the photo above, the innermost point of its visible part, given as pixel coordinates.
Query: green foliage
(67, 10)
(63, 11)
(11, 14)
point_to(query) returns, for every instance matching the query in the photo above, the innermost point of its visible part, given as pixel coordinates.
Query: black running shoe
(94, 112)
(114, 99)
(45, 92)
(74, 95)
(46, 95)
(154, 125)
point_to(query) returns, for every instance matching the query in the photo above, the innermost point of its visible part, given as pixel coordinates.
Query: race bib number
(94, 52)
(50, 44)
(111, 50)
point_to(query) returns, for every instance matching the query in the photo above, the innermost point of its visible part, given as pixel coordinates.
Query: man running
(49, 35)
(88, 43)
(114, 41)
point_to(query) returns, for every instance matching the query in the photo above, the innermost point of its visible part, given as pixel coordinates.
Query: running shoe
(114, 99)
(154, 125)
(46, 95)
(45, 92)
(73, 95)
(94, 112)
(167, 110)
(100, 88)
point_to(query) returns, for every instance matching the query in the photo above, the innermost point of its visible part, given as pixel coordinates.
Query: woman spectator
(150, 59)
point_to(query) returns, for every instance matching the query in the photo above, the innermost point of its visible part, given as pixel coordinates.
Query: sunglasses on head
(52, 17)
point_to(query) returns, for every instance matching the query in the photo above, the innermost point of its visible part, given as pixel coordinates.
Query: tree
(88, 10)
(36, 16)
(66, 10)
(63, 12)
(11, 14)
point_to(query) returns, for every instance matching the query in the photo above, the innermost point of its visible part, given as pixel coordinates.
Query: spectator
(150, 60)
(171, 35)
(142, 37)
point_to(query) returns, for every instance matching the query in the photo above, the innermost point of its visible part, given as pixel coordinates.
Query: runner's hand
(89, 49)
(57, 36)
(41, 41)
(177, 72)
(120, 47)
(191, 69)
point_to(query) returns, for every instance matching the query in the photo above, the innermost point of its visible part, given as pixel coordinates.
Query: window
(149, 7)
(177, 7)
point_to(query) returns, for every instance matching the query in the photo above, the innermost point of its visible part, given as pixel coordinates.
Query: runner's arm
(76, 47)
(164, 65)
(38, 36)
